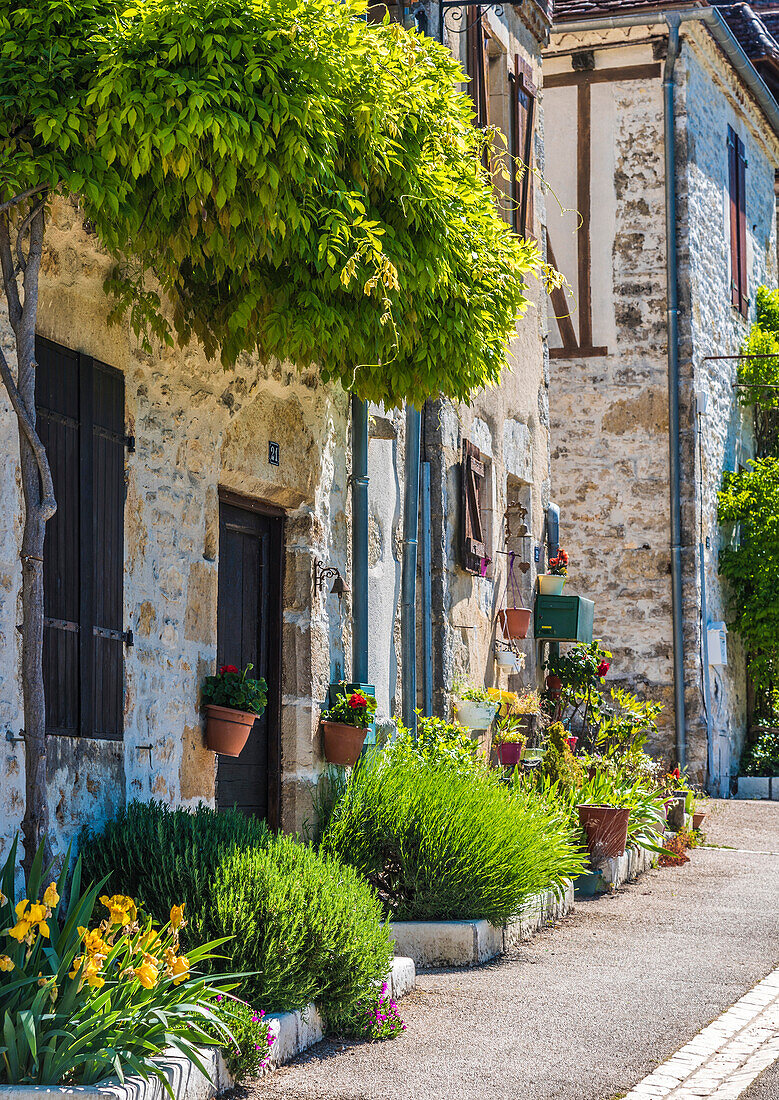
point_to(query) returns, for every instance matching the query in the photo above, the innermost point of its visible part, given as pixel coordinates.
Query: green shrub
(441, 844)
(437, 742)
(762, 758)
(309, 927)
(164, 857)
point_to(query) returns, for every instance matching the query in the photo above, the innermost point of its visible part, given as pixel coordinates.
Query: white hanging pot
(476, 716)
(507, 659)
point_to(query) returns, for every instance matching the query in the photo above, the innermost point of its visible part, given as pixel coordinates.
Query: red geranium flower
(603, 668)
(227, 668)
(357, 700)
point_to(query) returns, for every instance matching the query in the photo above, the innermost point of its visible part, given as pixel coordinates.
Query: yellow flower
(177, 916)
(6, 963)
(50, 896)
(147, 974)
(180, 969)
(94, 944)
(37, 913)
(121, 909)
(76, 966)
(20, 930)
(92, 974)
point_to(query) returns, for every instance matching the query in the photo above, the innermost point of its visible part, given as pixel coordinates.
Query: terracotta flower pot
(572, 743)
(554, 684)
(514, 622)
(606, 828)
(510, 753)
(343, 744)
(549, 584)
(227, 729)
(697, 819)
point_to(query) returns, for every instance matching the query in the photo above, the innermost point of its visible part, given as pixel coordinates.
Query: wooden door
(248, 632)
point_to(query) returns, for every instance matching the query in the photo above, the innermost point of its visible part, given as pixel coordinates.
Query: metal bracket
(129, 442)
(322, 572)
(14, 740)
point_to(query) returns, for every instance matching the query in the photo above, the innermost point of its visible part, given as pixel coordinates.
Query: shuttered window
(477, 65)
(523, 109)
(80, 406)
(737, 164)
(474, 549)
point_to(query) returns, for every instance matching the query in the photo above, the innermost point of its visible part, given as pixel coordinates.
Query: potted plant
(344, 726)
(475, 707)
(506, 658)
(233, 700)
(606, 829)
(551, 583)
(510, 740)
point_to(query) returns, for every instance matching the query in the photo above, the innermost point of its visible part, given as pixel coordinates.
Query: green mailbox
(564, 618)
(340, 688)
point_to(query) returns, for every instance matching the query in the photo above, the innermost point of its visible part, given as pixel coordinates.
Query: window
(80, 407)
(737, 164)
(523, 108)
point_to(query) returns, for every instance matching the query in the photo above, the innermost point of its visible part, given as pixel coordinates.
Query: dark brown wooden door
(248, 632)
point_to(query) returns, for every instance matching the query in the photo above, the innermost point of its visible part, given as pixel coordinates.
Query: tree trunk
(39, 506)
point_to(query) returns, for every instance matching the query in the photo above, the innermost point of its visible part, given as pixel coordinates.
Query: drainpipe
(427, 599)
(674, 435)
(408, 609)
(359, 541)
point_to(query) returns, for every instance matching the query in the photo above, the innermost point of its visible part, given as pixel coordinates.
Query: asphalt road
(587, 1009)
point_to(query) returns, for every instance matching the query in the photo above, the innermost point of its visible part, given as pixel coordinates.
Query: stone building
(197, 511)
(610, 177)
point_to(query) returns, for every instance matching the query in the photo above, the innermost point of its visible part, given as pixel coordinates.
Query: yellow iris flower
(177, 916)
(147, 974)
(50, 896)
(6, 963)
(121, 909)
(180, 969)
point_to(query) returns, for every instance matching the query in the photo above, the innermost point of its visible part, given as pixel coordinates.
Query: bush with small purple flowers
(250, 1054)
(371, 1018)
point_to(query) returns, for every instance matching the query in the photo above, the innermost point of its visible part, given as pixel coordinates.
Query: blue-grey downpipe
(408, 609)
(427, 598)
(672, 327)
(714, 784)
(359, 541)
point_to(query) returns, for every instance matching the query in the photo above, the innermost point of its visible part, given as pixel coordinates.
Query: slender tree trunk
(39, 507)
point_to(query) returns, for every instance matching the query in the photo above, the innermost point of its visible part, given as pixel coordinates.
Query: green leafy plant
(235, 689)
(247, 1052)
(304, 927)
(762, 756)
(759, 376)
(436, 743)
(356, 709)
(373, 1017)
(509, 731)
(474, 694)
(82, 1003)
(559, 762)
(441, 844)
(750, 497)
(163, 857)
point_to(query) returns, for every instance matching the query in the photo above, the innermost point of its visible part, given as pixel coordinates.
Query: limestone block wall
(609, 414)
(198, 429)
(510, 426)
(711, 99)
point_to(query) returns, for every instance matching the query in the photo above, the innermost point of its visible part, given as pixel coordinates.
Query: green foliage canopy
(751, 498)
(296, 181)
(759, 377)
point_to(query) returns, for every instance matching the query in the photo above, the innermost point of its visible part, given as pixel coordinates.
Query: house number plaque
(274, 453)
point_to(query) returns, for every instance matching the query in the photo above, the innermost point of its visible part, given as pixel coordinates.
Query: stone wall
(610, 414)
(198, 429)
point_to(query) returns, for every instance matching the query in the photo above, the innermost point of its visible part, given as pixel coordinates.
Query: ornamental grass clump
(306, 927)
(437, 843)
(164, 857)
(92, 988)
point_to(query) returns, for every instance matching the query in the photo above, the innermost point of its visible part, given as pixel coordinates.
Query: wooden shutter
(477, 64)
(472, 469)
(739, 295)
(80, 405)
(523, 109)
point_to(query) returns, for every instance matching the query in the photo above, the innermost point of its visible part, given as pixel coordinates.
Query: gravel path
(587, 1009)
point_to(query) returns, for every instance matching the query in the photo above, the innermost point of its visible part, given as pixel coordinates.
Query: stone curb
(757, 786)
(294, 1032)
(471, 942)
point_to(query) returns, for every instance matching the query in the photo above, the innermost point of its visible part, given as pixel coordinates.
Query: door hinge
(128, 638)
(130, 443)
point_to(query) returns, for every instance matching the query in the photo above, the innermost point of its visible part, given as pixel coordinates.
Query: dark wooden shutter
(739, 295)
(477, 64)
(472, 470)
(80, 405)
(523, 109)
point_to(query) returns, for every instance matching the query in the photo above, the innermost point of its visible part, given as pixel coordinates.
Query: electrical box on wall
(717, 634)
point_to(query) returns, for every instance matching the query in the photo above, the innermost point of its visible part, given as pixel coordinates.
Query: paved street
(588, 1009)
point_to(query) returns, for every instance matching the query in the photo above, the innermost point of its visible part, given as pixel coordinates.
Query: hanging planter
(606, 829)
(227, 730)
(345, 727)
(233, 701)
(342, 744)
(514, 622)
(508, 659)
(475, 714)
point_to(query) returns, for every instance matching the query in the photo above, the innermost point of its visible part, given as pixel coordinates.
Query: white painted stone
(754, 786)
(626, 868)
(402, 977)
(294, 1032)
